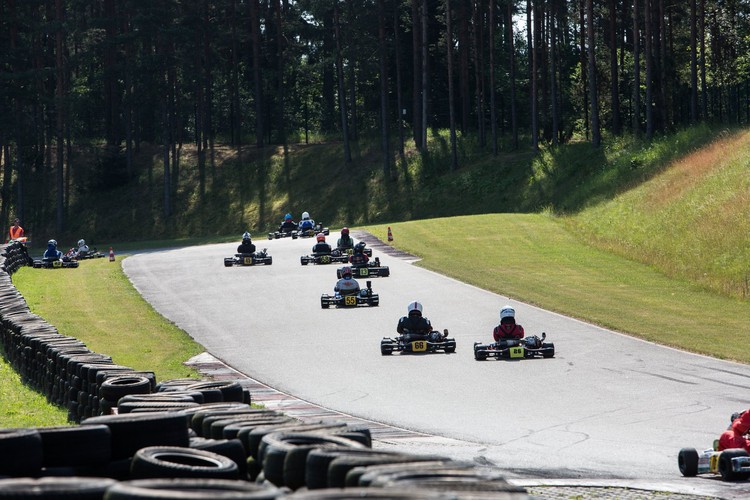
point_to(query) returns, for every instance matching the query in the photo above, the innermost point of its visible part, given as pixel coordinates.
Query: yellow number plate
(349, 251)
(713, 463)
(516, 352)
(248, 261)
(419, 346)
(350, 300)
(363, 271)
(325, 259)
(57, 263)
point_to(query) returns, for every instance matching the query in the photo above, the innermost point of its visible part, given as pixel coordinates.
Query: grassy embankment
(592, 263)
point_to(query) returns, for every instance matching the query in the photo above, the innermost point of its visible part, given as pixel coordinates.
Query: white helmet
(245, 236)
(52, 242)
(81, 242)
(414, 307)
(507, 312)
(305, 216)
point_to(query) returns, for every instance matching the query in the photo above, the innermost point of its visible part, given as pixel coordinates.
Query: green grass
(535, 258)
(22, 406)
(98, 305)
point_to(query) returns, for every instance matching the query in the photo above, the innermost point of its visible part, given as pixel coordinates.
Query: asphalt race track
(606, 406)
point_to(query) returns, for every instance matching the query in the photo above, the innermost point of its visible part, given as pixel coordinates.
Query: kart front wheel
(549, 350)
(385, 349)
(725, 465)
(450, 348)
(687, 461)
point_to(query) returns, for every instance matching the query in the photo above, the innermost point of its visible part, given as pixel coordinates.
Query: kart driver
(16, 231)
(287, 225)
(415, 327)
(359, 258)
(306, 223)
(321, 247)
(52, 253)
(347, 285)
(345, 242)
(735, 436)
(247, 245)
(82, 249)
(507, 329)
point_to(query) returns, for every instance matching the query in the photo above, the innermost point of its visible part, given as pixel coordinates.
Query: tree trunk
(584, 69)
(60, 113)
(425, 74)
(416, 34)
(512, 70)
(649, 69)
(385, 133)
(595, 132)
(399, 98)
(614, 77)
(493, 104)
(636, 124)
(257, 79)
(553, 19)
(704, 90)
(693, 63)
(532, 77)
(342, 94)
(451, 107)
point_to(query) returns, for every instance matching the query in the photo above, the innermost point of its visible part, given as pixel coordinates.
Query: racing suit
(734, 437)
(306, 224)
(287, 226)
(359, 259)
(82, 250)
(415, 327)
(507, 331)
(246, 248)
(52, 253)
(321, 248)
(345, 242)
(346, 286)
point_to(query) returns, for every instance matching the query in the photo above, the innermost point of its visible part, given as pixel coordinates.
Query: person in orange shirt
(16, 231)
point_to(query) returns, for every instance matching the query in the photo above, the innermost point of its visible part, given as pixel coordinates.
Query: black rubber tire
(346, 471)
(687, 461)
(451, 347)
(213, 425)
(58, 488)
(725, 465)
(379, 474)
(230, 448)
(234, 429)
(255, 445)
(113, 388)
(319, 460)
(286, 453)
(174, 461)
(21, 452)
(217, 413)
(551, 353)
(228, 263)
(155, 489)
(76, 445)
(133, 431)
(375, 493)
(231, 390)
(142, 406)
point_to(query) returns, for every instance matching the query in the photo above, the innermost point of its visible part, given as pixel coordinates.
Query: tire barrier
(137, 438)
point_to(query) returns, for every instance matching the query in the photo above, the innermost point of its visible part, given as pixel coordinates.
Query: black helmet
(360, 247)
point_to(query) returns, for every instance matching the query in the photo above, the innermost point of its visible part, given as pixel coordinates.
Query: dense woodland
(116, 75)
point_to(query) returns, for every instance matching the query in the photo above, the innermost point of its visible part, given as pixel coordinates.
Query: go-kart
(528, 347)
(418, 343)
(368, 270)
(91, 253)
(47, 263)
(309, 233)
(350, 251)
(334, 256)
(364, 298)
(283, 234)
(249, 259)
(732, 464)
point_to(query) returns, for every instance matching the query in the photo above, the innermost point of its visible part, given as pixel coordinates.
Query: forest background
(135, 119)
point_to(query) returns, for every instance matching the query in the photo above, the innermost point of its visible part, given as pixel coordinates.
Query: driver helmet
(245, 236)
(346, 272)
(360, 247)
(81, 242)
(414, 308)
(305, 216)
(345, 231)
(507, 312)
(288, 217)
(52, 243)
(321, 238)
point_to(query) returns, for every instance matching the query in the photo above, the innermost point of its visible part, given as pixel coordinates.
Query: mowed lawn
(535, 258)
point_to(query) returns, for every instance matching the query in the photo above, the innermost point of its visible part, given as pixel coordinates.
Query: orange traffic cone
(390, 234)
(111, 255)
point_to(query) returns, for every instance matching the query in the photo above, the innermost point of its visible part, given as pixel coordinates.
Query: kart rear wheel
(725, 465)
(450, 348)
(386, 349)
(228, 262)
(548, 353)
(687, 461)
(269, 261)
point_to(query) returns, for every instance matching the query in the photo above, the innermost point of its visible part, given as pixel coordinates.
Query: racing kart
(249, 259)
(529, 347)
(365, 297)
(418, 343)
(283, 234)
(350, 251)
(367, 271)
(732, 464)
(60, 263)
(309, 233)
(92, 253)
(324, 259)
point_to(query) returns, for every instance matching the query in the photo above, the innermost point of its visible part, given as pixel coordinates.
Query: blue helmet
(288, 217)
